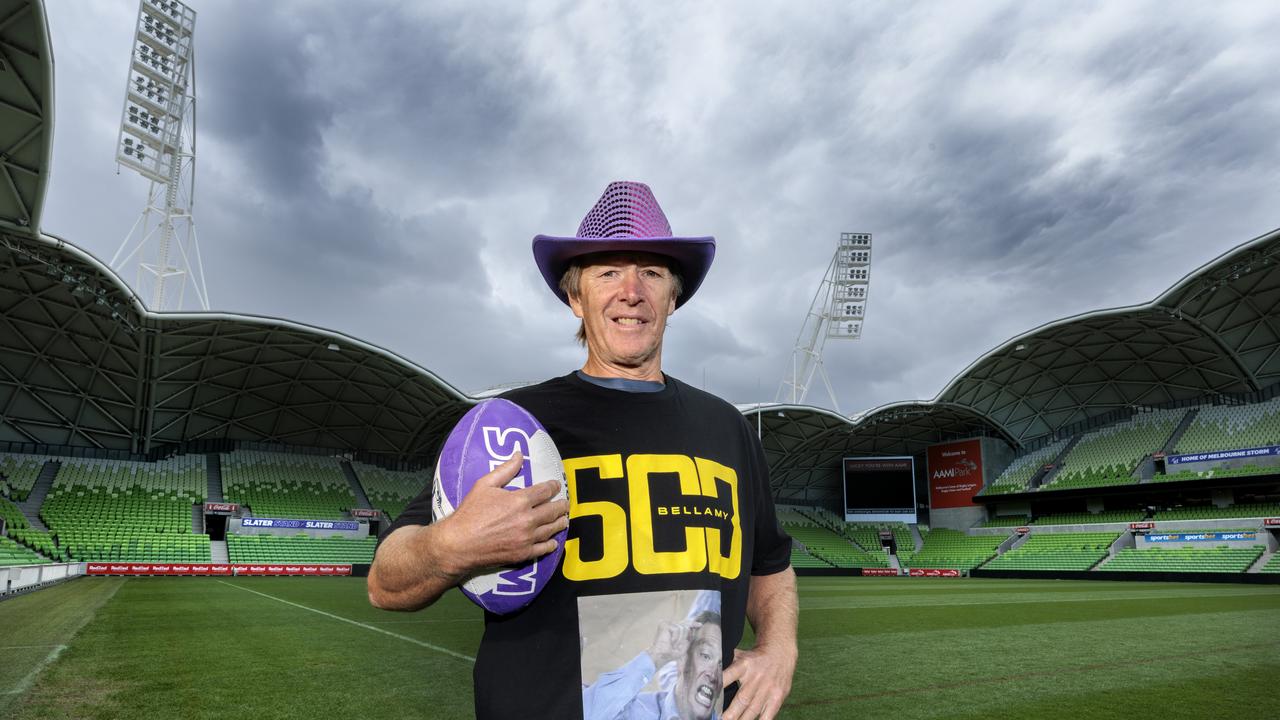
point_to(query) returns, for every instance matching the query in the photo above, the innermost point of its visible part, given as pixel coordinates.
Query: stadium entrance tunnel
(216, 527)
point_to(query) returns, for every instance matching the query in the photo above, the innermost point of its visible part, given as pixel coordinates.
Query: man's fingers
(741, 707)
(771, 707)
(547, 530)
(543, 548)
(501, 475)
(550, 512)
(731, 674)
(735, 671)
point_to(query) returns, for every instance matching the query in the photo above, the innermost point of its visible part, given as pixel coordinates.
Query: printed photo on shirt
(651, 656)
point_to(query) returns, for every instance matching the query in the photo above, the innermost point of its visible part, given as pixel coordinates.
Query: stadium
(190, 501)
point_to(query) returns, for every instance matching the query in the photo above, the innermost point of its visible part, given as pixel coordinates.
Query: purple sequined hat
(625, 218)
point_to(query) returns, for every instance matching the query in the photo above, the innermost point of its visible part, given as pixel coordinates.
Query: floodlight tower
(837, 311)
(158, 140)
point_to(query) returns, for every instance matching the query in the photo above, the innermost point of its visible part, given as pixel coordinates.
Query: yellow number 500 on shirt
(632, 542)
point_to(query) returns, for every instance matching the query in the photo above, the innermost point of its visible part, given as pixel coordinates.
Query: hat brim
(694, 254)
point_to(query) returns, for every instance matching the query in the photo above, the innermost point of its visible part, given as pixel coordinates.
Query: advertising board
(955, 473)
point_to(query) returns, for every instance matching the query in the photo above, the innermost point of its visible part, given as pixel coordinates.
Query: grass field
(870, 648)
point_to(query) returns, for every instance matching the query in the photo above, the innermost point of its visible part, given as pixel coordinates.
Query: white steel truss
(158, 140)
(838, 311)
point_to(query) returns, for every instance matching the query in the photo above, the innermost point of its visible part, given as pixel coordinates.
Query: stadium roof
(1216, 331)
(26, 112)
(84, 363)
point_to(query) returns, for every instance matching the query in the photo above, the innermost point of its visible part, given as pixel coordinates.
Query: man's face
(624, 300)
(699, 683)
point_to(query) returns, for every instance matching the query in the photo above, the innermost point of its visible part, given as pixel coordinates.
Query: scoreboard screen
(878, 489)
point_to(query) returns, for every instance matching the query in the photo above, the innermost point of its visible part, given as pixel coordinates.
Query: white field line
(27, 647)
(423, 622)
(397, 636)
(26, 681)
(1039, 600)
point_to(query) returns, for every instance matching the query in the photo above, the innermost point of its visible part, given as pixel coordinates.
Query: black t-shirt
(669, 493)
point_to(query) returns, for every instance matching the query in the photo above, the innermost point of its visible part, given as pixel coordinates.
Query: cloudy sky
(380, 168)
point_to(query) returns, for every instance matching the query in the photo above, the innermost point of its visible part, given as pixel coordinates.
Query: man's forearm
(411, 569)
(773, 609)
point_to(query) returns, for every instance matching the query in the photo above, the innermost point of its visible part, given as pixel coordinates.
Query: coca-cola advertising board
(955, 473)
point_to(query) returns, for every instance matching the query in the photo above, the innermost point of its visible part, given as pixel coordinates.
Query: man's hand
(494, 526)
(672, 642)
(764, 675)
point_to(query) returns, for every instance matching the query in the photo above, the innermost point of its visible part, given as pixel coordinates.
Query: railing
(16, 578)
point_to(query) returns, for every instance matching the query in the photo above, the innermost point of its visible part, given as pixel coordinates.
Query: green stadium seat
(105, 510)
(391, 490)
(1109, 455)
(287, 486)
(945, 548)
(1056, 551)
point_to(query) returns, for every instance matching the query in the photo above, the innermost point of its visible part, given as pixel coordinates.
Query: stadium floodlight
(157, 139)
(838, 311)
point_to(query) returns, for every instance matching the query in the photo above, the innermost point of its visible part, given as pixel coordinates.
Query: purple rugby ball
(487, 436)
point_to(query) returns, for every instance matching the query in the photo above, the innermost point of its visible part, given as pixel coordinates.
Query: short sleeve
(417, 512)
(772, 544)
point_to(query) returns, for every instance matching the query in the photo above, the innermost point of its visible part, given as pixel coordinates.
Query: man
(668, 489)
(694, 647)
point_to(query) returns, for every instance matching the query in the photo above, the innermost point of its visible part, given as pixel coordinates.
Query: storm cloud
(380, 168)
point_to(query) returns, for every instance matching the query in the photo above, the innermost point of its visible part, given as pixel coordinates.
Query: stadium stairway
(915, 535)
(1146, 470)
(218, 552)
(1015, 540)
(213, 465)
(31, 506)
(356, 487)
(1179, 431)
(1262, 561)
(1043, 476)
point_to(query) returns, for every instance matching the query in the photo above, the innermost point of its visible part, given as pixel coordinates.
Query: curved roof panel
(803, 445)
(1215, 331)
(83, 363)
(26, 112)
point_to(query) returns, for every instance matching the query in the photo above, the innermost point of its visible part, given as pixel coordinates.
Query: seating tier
(391, 490)
(1086, 518)
(117, 510)
(1210, 512)
(299, 549)
(1232, 427)
(1273, 565)
(11, 553)
(287, 486)
(1214, 560)
(18, 473)
(945, 548)
(1015, 477)
(1007, 521)
(1056, 551)
(833, 548)
(1109, 455)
